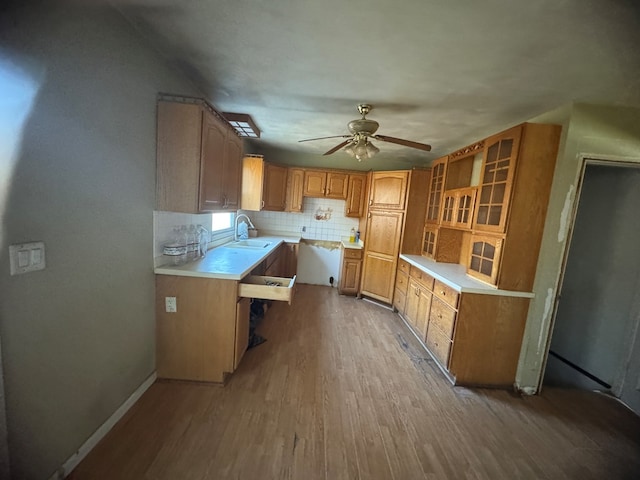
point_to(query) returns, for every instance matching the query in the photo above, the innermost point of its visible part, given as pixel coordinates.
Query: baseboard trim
(73, 461)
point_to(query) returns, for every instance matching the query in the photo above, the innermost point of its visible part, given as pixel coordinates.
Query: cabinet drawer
(443, 317)
(424, 278)
(402, 281)
(439, 345)
(354, 253)
(399, 300)
(268, 288)
(446, 293)
(403, 266)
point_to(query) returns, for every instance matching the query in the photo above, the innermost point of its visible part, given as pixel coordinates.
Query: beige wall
(78, 337)
(588, 131)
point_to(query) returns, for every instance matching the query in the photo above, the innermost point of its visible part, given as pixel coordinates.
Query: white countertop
(355, 245)
(455, 275)
(227, 263)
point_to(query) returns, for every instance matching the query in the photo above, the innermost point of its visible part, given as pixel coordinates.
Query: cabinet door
(436, 188)
(484, 258)
(315, 183)
(355, 197)
(448, 208)
(290, 263)
(388, 190)
(337, 184)
(381, 255)
(242, 330)
(211, 182)
(496, 180)
(350, 277)
(465, 200)
(429, 241)
(295, 183)
(232, 172)
(422, 315)
(275, 187)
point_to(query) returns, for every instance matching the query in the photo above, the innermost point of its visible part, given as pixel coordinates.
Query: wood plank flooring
(342, 390)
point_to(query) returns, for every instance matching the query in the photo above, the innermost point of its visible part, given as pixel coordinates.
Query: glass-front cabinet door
(436, 188)
(496, 180)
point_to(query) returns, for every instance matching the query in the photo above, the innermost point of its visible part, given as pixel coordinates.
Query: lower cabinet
(205, 338)
(351, 266)
(474, 337)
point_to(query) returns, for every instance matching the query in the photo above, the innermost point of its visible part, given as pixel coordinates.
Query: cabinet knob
(262, 206)
(370, 201)
(440, 316)
(443, 293)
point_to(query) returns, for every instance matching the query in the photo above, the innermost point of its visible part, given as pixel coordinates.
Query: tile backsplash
(321, 219)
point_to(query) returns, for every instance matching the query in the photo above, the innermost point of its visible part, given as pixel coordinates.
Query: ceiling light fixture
(361, 148)
(243, 124)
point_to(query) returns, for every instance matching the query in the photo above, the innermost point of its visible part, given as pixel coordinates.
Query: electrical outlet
(170, 304)
(304, 229)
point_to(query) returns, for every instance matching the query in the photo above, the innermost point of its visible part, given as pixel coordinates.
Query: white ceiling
(442, 72)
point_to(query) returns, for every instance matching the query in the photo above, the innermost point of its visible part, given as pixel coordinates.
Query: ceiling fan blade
(406, 143)
(338, 147)
(322, 138)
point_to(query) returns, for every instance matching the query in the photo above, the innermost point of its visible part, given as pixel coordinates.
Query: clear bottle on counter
(352, 235)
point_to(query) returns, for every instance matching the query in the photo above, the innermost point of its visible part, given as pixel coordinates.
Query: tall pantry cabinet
(396, 211)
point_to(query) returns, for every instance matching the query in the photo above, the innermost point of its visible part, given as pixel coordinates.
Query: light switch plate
(26, 257)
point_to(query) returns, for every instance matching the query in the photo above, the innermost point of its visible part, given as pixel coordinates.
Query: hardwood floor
(342, 390)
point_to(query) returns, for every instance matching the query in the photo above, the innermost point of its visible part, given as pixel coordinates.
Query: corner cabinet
(198, 159)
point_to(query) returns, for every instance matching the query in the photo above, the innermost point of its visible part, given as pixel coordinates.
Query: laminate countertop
(456, 277)
(227, 262)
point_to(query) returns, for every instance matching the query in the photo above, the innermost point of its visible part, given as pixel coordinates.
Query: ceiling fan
(362, 130)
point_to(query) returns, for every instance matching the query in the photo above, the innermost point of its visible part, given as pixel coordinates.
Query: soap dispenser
(352, 235)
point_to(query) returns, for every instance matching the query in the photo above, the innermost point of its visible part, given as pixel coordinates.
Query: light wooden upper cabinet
(322, 183)
(356, 195)
(264, 185)
(388, 190)
(315, 183)
(295, 184)
(198, 160)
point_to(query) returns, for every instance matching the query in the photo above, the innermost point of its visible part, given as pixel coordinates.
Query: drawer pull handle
(443, 293)
(440, 316)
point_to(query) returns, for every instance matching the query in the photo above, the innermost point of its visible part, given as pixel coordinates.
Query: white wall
(78, 337)
(588, 130)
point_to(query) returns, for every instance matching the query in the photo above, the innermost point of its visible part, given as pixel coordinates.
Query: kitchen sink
(252, 243)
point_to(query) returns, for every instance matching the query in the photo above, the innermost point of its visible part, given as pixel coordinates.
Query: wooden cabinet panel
(378, 276)
(404, 266)
(275, 187)
(399, 301)
(350, 271)
(388, 190)
(290, 262)
(422, 277)
(264, 185)
(356, 196)
(383, 232)
(446, 293)
(442, 316)
(458, 207)
(315, 183)
(337, 185)
(197, 159)
(439, 345)
(402, 281)
(295, 184)
(242, 330)
(211, 182)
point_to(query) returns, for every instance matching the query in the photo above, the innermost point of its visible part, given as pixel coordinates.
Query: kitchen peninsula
(202, 308)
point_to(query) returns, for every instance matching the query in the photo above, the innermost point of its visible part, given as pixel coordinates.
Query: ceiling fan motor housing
(362, 125)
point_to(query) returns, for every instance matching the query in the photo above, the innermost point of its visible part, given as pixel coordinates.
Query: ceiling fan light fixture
(350, 150)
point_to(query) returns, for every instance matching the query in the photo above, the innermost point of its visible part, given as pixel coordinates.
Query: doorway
(594, 343)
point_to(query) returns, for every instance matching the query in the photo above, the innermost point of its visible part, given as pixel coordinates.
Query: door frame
(585, 160)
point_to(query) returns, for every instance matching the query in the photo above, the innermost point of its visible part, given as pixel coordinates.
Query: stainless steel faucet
(235, 230)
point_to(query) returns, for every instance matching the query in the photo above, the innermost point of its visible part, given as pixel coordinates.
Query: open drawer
(269, 288)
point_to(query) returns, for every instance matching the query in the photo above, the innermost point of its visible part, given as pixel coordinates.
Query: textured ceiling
(441, 72)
